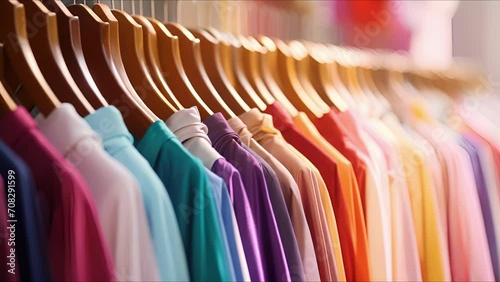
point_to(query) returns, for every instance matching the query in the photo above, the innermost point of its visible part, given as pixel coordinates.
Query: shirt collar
(241, 129)
(219, 130)
(108, 123)
(64, 128)
(17, 123)
(187, 126)
(151, 143)
(258, 124)
(282, 119)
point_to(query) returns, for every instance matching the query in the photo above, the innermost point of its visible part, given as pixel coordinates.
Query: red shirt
(355, 269)
(75, 241)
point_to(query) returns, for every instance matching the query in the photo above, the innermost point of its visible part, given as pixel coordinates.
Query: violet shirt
(228, 144)
(244, 216)
(471, 146)
(76, 245)
(283, 220)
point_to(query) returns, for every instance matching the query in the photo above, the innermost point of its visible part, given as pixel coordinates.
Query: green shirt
(189, 188)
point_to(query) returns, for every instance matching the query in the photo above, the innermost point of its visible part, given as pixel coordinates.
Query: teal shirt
(189, 188)
(167, 240)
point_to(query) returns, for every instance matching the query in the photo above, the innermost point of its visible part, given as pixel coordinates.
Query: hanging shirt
(347, 208)
(192, 133)
(375, 205)
(487, 162)
(287, 185)
(432, 243)
(76, 244)
(304, 203)
(118, 142)
(227, 143)
(472, 148)
(115, 190)
(283, 177)
(31, 259)
(326, 165)
(405, 257)
(224, 206)
(282, 218)
(196, 211)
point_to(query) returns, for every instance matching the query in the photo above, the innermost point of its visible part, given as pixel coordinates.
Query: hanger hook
(153, 9)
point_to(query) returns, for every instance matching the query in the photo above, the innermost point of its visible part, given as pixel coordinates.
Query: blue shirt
(32, 258)
(167, 240)
(226, 214)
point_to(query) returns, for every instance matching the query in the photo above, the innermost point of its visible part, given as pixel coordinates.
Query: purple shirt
(228, 144)
(244, 216)
(76, 244)
(471, 144)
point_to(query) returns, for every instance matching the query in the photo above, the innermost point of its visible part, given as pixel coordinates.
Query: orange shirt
(347, 206)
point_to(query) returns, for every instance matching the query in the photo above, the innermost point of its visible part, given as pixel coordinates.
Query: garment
(77, 248)
(192, 133)
(282, 218)
(325, 163)
(115, 190)
(223, 204)
(485, 244)
(227, 143)
(405, 257)
(188, 187)
(305, 206)
(31, 258)
(347, 208)
(288, 188)
(376, 205)
(118, 142)
(489, 156)
(431, 240)
(244, 216)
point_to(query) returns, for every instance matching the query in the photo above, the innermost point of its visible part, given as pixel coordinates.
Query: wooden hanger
(267, 66)
(68, 27)
(116, 54)
(6, 103)
(242, 84)
(302, 62)
(49, 57)
(97, 51)
(173, 70)
(290, 83)
(132, 53)
(212, 62)
(152, 59)
(19, 57)
(225, 52)
(318, 75)
(250, 56)
(193, 64)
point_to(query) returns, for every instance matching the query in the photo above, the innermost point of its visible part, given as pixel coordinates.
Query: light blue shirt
(226, 214)
(118, 142)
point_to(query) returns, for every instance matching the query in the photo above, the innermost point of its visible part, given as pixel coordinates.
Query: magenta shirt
(75, 242)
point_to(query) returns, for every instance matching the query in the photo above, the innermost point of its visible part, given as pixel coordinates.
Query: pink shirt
(76, 244)
(115, 190)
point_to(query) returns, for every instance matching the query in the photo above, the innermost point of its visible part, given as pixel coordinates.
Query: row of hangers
(97, 56)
